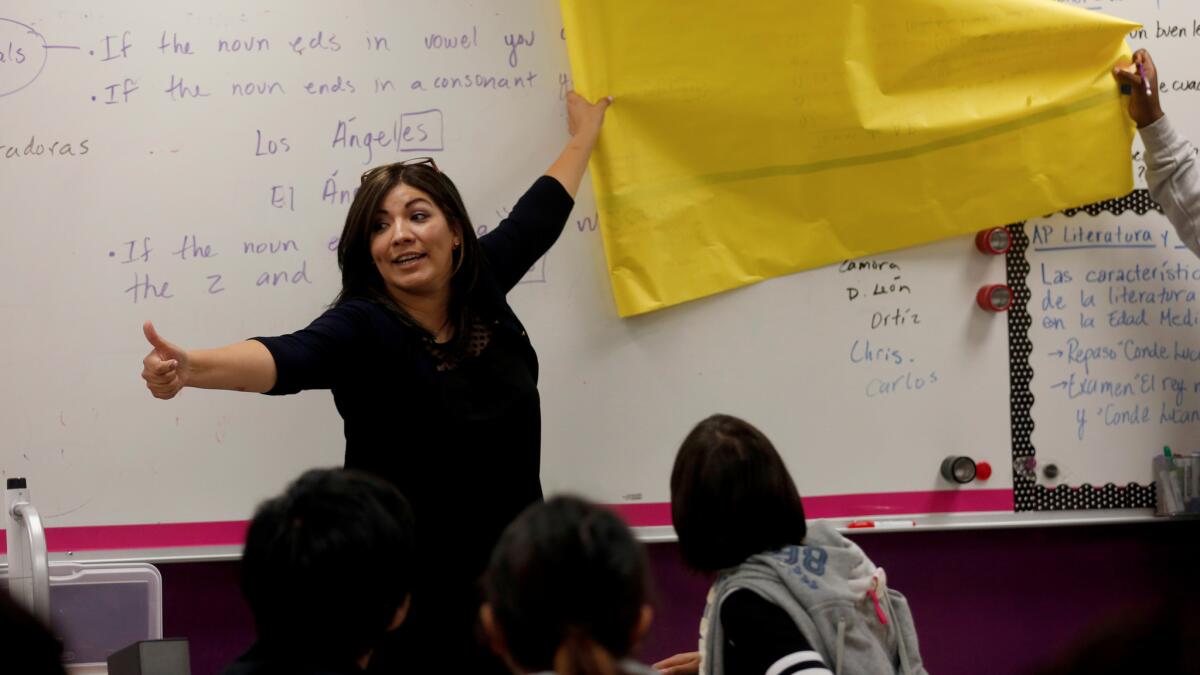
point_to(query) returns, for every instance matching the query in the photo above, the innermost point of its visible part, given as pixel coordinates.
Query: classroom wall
(985, 601)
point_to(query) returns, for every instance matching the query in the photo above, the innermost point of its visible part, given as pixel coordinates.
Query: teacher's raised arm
(583, 122)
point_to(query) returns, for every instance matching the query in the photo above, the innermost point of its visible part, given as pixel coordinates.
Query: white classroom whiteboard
(258, 158)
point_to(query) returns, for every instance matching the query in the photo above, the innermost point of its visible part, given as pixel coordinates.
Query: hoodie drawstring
(840, 648)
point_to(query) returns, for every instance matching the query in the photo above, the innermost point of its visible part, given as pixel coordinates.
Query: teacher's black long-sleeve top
(462, 444)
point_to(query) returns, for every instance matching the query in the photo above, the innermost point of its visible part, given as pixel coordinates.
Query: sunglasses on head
(412, 161)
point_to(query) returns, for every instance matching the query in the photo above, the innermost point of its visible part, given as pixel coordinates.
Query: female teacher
(430, 369)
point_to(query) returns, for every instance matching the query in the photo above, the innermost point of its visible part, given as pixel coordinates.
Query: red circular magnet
(995, 297)
(993, 241)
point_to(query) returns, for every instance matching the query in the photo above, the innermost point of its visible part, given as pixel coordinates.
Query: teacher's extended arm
(242, 366)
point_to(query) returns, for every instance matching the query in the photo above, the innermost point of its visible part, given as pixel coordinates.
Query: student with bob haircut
(566, 592)
(788, 597)
(327, 572)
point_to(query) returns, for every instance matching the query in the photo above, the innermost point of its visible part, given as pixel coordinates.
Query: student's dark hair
(732, 496)
(566, 584)
(327, 564)
(360, 277)
(26, 646)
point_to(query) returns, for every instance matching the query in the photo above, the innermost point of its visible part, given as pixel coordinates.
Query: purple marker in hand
(1145, 80)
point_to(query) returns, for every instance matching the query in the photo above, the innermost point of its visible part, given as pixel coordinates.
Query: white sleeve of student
(1174, 179)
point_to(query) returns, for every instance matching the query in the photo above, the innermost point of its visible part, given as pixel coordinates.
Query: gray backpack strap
(905, 663)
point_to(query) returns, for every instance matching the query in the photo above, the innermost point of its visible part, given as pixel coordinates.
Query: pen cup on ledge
(1177, 483)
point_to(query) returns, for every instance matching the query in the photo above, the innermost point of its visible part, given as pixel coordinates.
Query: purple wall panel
(203, 603)
(997, 601)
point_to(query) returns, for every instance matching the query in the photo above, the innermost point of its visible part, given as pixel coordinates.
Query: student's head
(26, 646)
(731, 495)
(328, 566)
(404, 209)
(566, 590)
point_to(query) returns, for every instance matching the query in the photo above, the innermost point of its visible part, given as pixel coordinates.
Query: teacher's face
(413, 245)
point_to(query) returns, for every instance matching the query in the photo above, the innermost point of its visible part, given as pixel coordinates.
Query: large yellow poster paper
(751, 140)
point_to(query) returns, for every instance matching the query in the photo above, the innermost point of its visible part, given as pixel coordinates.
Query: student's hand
(584, 117)
(1144, 110)
(681, 664)
(165, 369)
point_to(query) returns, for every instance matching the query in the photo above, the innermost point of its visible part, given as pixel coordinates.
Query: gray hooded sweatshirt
(1174, 179)
(838, 599)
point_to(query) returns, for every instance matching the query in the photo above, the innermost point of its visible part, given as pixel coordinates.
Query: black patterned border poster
(1028, 495)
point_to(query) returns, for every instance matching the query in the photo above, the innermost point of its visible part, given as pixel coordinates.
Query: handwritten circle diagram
(22, 56)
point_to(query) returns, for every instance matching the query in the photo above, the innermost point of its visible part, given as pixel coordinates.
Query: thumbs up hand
(165, 369)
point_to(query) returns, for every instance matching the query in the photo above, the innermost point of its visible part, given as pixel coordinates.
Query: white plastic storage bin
(98, 608)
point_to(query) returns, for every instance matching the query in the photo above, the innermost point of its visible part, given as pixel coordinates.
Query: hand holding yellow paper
(754, 140)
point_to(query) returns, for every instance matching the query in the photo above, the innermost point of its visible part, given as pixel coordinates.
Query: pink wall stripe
(644, 515)
(131, 537)
(231, 533)
(853, 506)
(885, 503)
